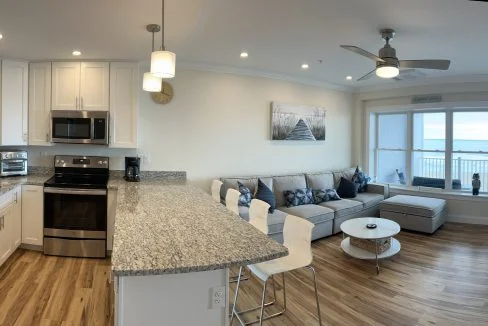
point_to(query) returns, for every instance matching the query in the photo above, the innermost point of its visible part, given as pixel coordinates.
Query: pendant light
(151, 83)
(163, 62)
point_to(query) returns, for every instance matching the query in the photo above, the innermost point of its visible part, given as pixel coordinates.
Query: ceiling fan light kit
(387, 63)
(163, 62)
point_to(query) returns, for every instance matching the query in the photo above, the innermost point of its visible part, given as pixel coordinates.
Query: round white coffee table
(356, 228)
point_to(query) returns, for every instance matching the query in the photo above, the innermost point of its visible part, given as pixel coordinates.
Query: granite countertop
(169, 227)
(9, 183)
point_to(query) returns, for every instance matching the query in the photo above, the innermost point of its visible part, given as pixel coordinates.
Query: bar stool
(297, 236)
(258, 215)
(232, 200)
(216, 185)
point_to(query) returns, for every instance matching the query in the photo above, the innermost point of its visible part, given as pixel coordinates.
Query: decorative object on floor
(165, 95)
(163, 62)
(361, 179)
(297, 122)
(347, 189)
(476, 184)
(265, 194)
(151, 83)
(246, 196)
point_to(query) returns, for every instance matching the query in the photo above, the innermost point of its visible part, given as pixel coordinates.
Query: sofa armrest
(379, 188)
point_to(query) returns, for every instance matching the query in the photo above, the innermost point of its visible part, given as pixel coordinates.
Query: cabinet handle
(76, 99)
(81, 103)
(47, 137)
(16, 197)
(3, 219)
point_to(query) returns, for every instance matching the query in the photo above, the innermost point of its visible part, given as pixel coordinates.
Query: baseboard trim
(468, 219)
(31, 247)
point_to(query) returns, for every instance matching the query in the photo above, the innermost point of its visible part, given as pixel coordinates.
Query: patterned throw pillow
(361, 179)
(321, 195)
(246, 196)
(265, 194)
(298, 197)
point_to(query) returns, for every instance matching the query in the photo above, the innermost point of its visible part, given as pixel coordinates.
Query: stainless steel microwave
(80, 127)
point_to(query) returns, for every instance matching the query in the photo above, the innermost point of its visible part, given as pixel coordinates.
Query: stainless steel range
(75, 207)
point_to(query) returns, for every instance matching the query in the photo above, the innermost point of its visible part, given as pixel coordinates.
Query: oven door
(75, 213)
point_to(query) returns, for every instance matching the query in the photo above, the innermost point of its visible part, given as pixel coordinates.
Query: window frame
(449, 111)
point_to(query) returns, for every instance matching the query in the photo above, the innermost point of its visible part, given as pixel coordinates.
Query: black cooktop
(78, 181)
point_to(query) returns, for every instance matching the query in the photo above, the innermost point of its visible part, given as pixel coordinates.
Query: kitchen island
(172, 248)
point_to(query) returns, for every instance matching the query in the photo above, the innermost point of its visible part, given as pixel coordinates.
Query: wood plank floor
(435, 280)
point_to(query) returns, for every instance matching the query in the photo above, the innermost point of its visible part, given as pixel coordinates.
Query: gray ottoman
(415, 213)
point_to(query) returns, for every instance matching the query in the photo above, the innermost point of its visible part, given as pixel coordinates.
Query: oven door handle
(74, 191)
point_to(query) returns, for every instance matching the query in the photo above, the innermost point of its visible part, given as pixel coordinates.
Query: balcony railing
(463, 170)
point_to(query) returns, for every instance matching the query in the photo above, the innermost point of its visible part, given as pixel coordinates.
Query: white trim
(438, 193)
(480, 220)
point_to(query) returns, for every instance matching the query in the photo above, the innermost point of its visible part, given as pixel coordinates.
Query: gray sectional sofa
(326, 216)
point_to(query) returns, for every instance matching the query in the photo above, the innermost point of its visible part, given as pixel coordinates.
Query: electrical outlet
(218, 299)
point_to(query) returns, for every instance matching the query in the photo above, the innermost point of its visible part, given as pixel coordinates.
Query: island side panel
(171, 299)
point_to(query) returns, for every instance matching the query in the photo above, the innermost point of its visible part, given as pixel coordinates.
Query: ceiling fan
(387, 63)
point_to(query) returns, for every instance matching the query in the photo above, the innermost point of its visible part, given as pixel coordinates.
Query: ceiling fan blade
(368, 75)
(426, 64)
(362, 52)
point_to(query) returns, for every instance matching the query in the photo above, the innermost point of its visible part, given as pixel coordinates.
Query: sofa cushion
(276, 220)
(343, 207)
(414, 205)
(346, 173)
(244, 212)
(313, 213)
(250, 183)
(265, 194)
(347, 188)
(298, 197)
(288, 182)
(369, 199)
(320, 180)
(245, 197)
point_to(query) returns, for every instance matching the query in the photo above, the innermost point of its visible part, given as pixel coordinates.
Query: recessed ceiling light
(1, 36)
(305, 66)
(349, 77)
(244, 55)
(76, 53)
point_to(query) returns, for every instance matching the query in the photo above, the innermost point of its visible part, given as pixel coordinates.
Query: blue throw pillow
(298, 197)
(246, 196)
(321, 195)
(361, 179)
(347, 188)
(265, 194)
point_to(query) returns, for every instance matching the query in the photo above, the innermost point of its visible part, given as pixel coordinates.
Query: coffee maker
(132, 169)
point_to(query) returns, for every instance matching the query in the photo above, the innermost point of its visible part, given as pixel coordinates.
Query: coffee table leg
(377, 264)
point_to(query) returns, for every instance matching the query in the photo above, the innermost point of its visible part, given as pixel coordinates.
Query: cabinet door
(32, 215)
(17, 219)
(39, 103)
(123, 105)
(5, 237)
(94, 86)
(14, 102)
(65, 85)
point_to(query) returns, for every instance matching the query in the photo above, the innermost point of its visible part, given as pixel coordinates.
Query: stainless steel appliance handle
(75, 191)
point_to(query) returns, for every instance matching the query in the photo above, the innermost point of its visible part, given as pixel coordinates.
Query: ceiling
(279, 35)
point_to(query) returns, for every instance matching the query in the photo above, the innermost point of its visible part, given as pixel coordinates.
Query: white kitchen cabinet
(123, 104)
(80, 86)
(39, 103)
(111, 206)
(6, 226)
(14, 89)
(32, 215)
(16, 218)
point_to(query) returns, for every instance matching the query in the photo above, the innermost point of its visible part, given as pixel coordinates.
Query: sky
(467, 125)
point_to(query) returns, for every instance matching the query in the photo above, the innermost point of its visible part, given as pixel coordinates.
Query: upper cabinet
(39, 103)
(80, 86)
(123, 104)
(14, 89)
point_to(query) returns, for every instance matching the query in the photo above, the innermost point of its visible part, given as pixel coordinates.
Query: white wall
(219, 125)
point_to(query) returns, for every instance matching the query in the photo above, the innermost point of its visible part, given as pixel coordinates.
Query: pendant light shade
(151, 83)
(163, 64)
